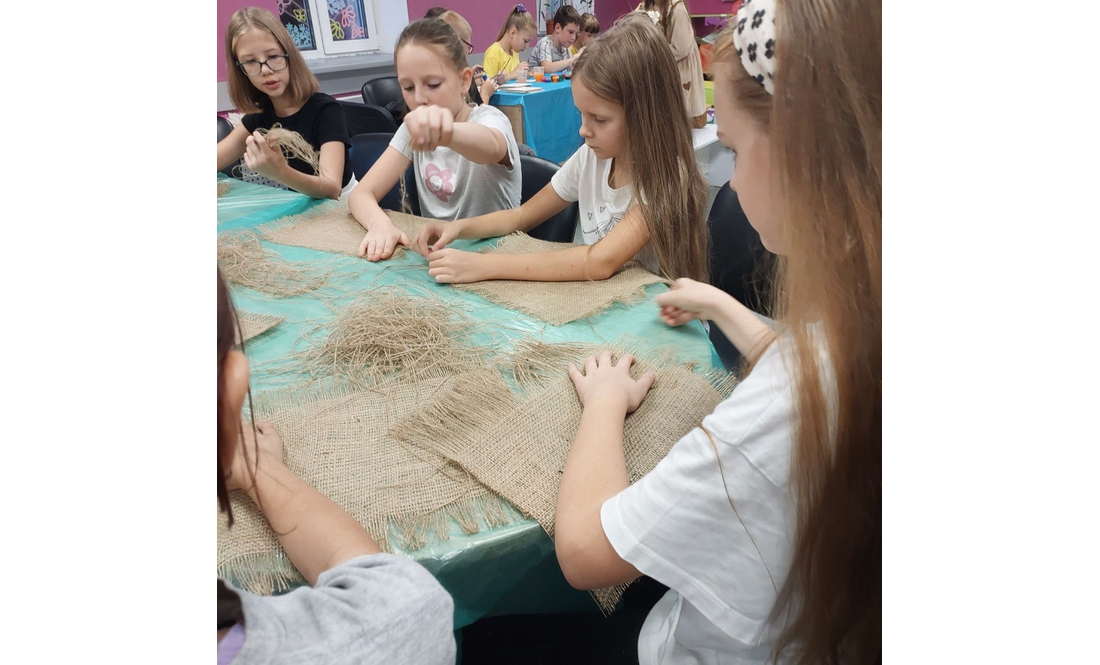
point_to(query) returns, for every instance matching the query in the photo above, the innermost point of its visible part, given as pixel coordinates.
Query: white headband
(754, 39)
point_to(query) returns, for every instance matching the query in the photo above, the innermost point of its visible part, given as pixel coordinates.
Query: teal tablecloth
(551, 123)
(507, 569)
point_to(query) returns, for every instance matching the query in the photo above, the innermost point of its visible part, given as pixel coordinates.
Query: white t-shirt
(584, 178)
(451, 187)
(676, 525)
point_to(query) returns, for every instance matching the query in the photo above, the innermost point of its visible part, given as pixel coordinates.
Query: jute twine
(223, 188)
(518, 450)
(330, 227)
(245, 262)
(336, 440)
(254, 325)
(559, 302)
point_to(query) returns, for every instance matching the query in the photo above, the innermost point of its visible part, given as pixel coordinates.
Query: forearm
(551, 67)
(365, 209)
(314, 186)
(741, 326)
(316, 533)
(565, 265)
(478, 143)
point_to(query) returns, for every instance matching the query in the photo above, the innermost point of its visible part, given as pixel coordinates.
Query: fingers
(404, 239)
(627, 358)
(423, 241)
(388, 247)
(590, 365)
(646, 380)
(363, 246)
(575, 374)
(605, 358)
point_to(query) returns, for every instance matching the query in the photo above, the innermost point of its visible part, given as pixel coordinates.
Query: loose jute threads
(292, 144)
(245, 262)
(336, 440)
(330, 227)
(559, 302)
(223, 189)
(530, 438)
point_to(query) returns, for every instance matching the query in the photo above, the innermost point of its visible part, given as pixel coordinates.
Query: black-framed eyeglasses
(469, 46)
(275, 63)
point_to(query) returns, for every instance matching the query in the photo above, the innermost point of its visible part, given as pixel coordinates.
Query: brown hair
(227, 340)
(435, 12)
(434, 32)
(825, 126)
(460, 25)
(567, 14)
(590, 24)
(632, 66)
(519, 20)
(245, 96)
(663, 7)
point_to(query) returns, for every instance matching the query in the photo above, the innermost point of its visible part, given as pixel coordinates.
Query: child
(269, 81)
(466, 158)
(590, 27)
(779, 491)
(478, 95)
(674, 20)
(640, 191)
(502, 58)
(552, 51)
(362, 606)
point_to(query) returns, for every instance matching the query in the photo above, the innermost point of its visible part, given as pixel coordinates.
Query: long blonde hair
(247, 97)
(519, 20)
(632, 66)
(825, 126)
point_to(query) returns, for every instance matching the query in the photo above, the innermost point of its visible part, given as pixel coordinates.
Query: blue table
(551, 123)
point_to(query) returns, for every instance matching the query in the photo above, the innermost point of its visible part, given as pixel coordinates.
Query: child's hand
(479, 71)
(688, 300)
(487, 89)
(262, 157)
(381, 240)
(429, 127)
(520, 71)
(265, 443)
(454, 266)
(603, 381)
(435, 237)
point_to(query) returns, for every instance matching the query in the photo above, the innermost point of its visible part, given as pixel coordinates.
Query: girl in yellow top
(502, 58)
(590, 27)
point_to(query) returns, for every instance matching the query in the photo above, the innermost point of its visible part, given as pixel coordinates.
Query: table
(547, 121)
(508, 569)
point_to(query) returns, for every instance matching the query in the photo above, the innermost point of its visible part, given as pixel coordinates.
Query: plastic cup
(536, 72)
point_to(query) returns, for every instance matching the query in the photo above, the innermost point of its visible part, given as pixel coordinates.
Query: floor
(574, 639)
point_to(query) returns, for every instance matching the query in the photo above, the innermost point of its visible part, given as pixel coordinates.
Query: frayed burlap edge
(253, 325)
(276, 231)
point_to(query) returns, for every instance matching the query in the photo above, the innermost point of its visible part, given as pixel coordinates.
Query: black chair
(365, 151)
(225, 128)
(385, 91)
(525, 149)
(367, 118)
(537, 173)
(739, 264)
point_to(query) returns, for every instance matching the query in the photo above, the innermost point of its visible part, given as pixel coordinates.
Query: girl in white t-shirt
(465, 157)
(765, 522)
(638, 185)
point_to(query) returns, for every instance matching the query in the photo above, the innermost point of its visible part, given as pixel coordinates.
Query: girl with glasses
(269, 82)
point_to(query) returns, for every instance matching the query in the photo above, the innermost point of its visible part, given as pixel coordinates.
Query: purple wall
(484, 16)
(225, 11)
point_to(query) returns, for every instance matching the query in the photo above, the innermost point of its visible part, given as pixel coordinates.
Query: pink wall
(484, 16)
(609, 10)
(225, 11)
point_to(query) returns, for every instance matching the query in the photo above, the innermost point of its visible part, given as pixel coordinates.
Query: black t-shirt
(319, 121)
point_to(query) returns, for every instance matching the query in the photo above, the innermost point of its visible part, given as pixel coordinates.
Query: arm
(690, 300)
(268, 160)
(382, 236)
(479, 144)
(595, 471)
(604, 259)
(316, 533)
(231, 148)
(549, 66)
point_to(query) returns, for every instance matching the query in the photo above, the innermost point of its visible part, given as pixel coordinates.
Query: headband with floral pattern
(754, 39)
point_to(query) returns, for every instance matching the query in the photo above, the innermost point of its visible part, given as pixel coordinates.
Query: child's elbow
(603, 268)
(571, 559)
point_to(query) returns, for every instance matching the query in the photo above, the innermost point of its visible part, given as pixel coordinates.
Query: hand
(253, 451)
(430, 127)
(688, 300)
(454, 266)
(479, 71)
(435, 237)
(487, 89)
(603, 381)
(382, 238)
(263, 157)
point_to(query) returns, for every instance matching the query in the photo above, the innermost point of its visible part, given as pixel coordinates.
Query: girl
(590, 27)
(779, 491)
(362, 606)
(466, 35)
(466, 158)
(268, 80)
(640, 190)
(674, 20)
(502, 58)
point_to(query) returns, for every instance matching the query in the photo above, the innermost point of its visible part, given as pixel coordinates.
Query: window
(321, 28)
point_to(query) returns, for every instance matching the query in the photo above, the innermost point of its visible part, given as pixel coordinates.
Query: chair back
(537, 173)
(365, 151)
(225, 128)
(367, 118)
(385, 91)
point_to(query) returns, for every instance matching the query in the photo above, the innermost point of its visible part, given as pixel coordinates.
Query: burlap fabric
(223, 189)
(254, 325)
(330, 227)
(517, 448)
(559, 302)
(336, 440)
